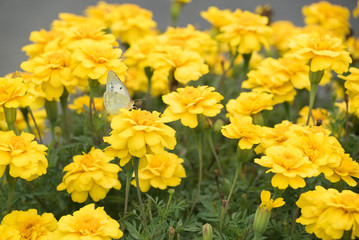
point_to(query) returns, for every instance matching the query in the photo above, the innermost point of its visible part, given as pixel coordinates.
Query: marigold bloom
(160, 171)
(92, 174)
(243, 129)
(353, 47)
(186, 103)
(268, 203)
(323, 52)
(13, 92)
(138, 132)
(283, 31)
(128, 22)
(217, 17)
(271, 76)
(289, 165)
(356, 10)
(346, 170)
(30, 225)
(317, 114)
(27, 159)
(54, 71)
(249, 103)
(80, 103)
(186, 65)
(94, 60)
(247, 32)
(9, 233)
(331, 17)
(352, 86)
(322, 208)
(88, 223)
(43, 41)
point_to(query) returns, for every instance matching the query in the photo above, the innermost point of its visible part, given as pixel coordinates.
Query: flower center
(17, 143)
(88, 225)
(144, 118)
(87, 160)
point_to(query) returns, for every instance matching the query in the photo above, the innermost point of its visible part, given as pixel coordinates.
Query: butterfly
(116, 95)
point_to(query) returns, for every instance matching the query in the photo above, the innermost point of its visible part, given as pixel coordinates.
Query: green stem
(12, 183)
(129, 172)
(245, 67)
(175, 11)
(36, 126)
(238, 170)
(10, 116)
(93, 85)
(200, 170)
(210, 141)
(51, 112)
(170, 191)
(149, 73)
(135, 165)
(313, 93)
(64, 101)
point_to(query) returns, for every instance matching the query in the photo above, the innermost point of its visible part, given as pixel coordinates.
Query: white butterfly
(116, 95)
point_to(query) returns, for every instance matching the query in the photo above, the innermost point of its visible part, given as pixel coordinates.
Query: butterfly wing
(114, 101)
(114, 84)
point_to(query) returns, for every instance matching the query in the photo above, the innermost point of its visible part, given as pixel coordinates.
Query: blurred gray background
(18, 18)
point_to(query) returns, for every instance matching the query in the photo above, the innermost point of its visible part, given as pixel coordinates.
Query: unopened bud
(207, 232)
(172, 232)
(218, 124)
(261, 220)
(58, 132)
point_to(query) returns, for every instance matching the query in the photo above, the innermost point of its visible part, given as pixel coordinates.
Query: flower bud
(207, 232)
(172, 232)
(218, 125)
(316, 77)
(261, 220)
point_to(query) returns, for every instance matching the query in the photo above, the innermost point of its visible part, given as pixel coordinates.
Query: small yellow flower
(217, 17)
(94, 60)
(322, 52)
(80, 103)
(54, 71)
(271, 76)
(9, 233)
(356, 11)
(186, 103)
(182, 1)
(92, 174)
(138, 132)
(186, 65)
(160, 171)
(352, 86)
(262, 216)
(242, 128)
(353, 47)
(283, 31)
(88, 223)
(26, 158)
(347, 169)
(331, 17)
(249, 103)
(30, 225)
(289, 165)
(13, 92)
(247, 32)
(322, 208)
(317, 114)
(128, 22)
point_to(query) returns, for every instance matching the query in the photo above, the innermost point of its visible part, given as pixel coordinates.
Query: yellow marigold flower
(9, 233)
(289, 165)
(128, 22)
(217, 17)
(94, 60)
(88, 223)
(347, 169)
(322, 208)
(317, 114)
(75, 36)
(352, 86)
(353, 47)
(53, 70)
(331, 17)
(138, 132)
(80, 103)
(268, 203)
(186, 65)
(323, 52)
(27, 158)
(247, 32)
(92, 174)
(283, 31)
(69, 20)
(160, 171)
(243, 129)
(262, 215)
(34, 90)
(186, 103)
(43, 41)
(137, 81)
(182, 1)
(249, 103)
(13, 92)
(274, 136)
(30, 225)
(271, 76)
